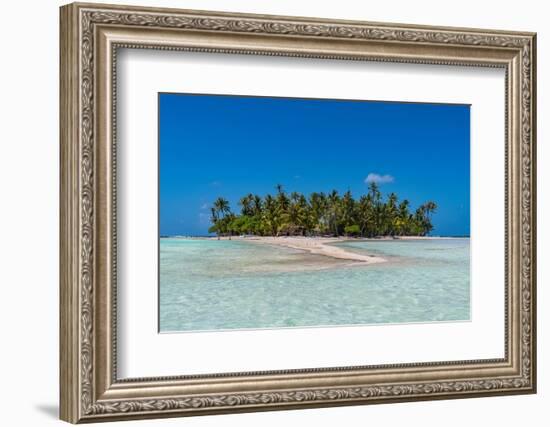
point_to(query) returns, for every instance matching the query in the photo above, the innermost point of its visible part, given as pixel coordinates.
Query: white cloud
(204, 206)
(378, 179)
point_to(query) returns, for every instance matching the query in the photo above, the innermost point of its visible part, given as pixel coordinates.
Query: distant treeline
(321, 214)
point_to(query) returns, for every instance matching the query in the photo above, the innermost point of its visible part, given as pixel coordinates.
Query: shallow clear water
(212, 285)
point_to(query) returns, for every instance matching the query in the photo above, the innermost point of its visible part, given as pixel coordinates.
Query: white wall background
(29, 171)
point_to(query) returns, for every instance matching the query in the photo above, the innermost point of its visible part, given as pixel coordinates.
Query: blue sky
(230, 146)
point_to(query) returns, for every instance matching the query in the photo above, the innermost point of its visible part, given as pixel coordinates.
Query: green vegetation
(322, 214)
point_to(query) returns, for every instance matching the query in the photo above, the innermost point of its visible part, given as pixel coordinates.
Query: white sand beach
(316, 246)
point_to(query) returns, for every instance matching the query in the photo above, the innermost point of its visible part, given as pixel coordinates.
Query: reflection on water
(212, 285)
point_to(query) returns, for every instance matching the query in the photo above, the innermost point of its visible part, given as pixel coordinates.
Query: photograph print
(282, 212)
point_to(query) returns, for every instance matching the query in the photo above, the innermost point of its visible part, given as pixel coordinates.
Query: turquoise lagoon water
(213, 285)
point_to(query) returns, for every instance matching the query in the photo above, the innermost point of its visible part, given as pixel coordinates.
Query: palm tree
(365, 215)
(402, 223)
(304, 217)
(422, 218)
(294, 220)
(374, 192)
(213, 215)
(282, 200)
(348, 209)
(214, 220)
(424, 213)
(220, 211)
(320, 213)
(376, 197)
(246, 203)
(222, 206)
(390, 214)
(257, 205)
(334, 211)
(270, 216)
(430, 207)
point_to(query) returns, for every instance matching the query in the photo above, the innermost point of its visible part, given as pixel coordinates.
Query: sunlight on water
(212, 285)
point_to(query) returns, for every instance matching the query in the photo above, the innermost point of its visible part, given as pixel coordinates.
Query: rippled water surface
(212, 285)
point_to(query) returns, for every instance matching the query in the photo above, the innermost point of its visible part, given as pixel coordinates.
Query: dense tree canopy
(322, 214)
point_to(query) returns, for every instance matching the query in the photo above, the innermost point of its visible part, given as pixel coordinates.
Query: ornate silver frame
(90, 36)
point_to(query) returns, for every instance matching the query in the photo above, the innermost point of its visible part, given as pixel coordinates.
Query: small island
(321, 214)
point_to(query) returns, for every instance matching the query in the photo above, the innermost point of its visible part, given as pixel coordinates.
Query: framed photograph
(265, 212)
